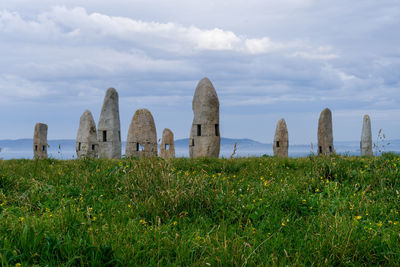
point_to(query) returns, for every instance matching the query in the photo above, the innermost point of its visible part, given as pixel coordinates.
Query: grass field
(206, 212)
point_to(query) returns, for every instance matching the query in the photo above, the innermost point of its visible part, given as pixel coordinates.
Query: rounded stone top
(325, 117)
(143, 114)
(111, 93)
(142, 128)
(205, 103)
(40, 126)
(167, 132)
(281, 124)
(205, 95)
(366, 117)
(167, 136)
(326, 112)
(281, 132)
(87, 113)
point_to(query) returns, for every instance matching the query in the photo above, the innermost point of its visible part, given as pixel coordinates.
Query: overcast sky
(267, 60)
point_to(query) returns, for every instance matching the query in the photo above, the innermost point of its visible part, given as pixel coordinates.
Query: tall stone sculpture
(167, 147)
(281, 140)
(109, 127)
(205, 138)
(40, 141)
(325, 134)
(86, 139)
(142, 135)
(366, 138)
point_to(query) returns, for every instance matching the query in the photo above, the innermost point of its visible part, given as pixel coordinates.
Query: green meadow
(325, 211)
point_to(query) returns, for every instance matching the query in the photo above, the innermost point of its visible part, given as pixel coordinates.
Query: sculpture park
(187, 133)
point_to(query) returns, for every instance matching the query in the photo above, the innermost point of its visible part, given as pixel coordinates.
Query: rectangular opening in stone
(141, 147)
(119, 135)
(320, 149)
(93, 147)
(137, 146)
(166, 146)
(216, 129)
(44, 148)
(330, 149)
(104, 136)
(198, 129)
(192, 142)
(277, 143)
(79, 146)
(35, 148)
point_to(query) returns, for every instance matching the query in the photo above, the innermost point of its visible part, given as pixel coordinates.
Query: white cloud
(321, 52)
(264, 45)
(76, 23)
(215, 39)
(16, 88)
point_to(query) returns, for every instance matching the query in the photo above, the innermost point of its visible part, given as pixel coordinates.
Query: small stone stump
(281, 140)
(167, 147)
(40, 141)
(86, 139)
(366, 138)
(325, 134)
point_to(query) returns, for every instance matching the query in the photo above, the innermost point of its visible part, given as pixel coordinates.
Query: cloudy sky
(267, 59)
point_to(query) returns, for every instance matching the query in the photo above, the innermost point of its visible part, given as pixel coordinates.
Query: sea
(65, 149)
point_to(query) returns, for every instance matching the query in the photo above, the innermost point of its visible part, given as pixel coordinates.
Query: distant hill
(224, 142)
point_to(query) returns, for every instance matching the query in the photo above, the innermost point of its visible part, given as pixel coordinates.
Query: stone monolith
(142, 135)
(167, 147)
(40, 141)
(325, 134)
(109, 127)
(366, 138)
(281, 140)
(205, 138)
(86, 139)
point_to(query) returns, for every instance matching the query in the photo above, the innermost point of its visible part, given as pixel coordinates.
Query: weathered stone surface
(325, 134)
(86, 139)
(109, 127)
(281, 140)
(366, 138)
(167, 147)
(204, 138)
(142, 135)
(40, 141)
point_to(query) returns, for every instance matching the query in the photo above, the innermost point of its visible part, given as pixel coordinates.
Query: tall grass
(204, 212)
